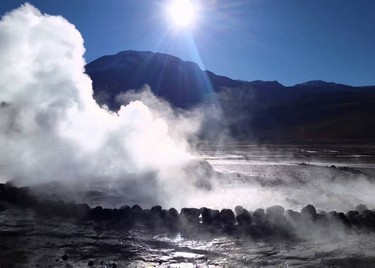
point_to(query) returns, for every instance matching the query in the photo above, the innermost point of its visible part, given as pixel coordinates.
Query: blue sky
(291, 41)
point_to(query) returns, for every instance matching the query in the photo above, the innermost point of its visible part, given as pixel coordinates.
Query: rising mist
(52, 129)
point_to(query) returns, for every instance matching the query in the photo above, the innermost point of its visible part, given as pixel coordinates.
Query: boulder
(244, 219)
(136, 213)
(275, 215)
(308, 213)
(172, 212)
(96, 213)
(332, 215)
(238, 210)
(21, 196)
(210, 216)
(322, 219)
(352, 217)
(227, 218)
(259, 216)
(171, 219)
(125, 212)
(156, 209)
(156, 216)
(293, 216)
(360, 208)
(367, 218)
(190, 215)
(342, 218)
(136, 208)
(275, 211)
(2, 191)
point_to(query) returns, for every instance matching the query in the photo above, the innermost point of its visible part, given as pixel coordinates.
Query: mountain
(181, 83)
(260, 110)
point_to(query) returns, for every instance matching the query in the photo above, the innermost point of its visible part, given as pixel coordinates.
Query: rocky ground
(45, 233)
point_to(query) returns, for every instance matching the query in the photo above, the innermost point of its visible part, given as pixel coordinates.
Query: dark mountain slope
(181, 83)
(261, 110)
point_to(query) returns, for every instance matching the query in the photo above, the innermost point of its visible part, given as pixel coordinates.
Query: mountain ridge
(261, 110)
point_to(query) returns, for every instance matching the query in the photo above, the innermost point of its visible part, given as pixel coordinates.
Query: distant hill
(182, 83)
(258, 110)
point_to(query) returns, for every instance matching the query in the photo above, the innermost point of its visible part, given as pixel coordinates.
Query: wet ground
(252, 177)
(28, 240)
(329, 176)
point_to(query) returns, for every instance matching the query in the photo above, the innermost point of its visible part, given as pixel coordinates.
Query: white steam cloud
(52, 129)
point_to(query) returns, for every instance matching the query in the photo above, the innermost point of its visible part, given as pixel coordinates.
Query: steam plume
(52, 129)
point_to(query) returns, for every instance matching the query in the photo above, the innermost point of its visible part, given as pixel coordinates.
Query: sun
(182, 12)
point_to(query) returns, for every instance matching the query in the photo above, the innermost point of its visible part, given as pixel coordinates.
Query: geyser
(51, 129)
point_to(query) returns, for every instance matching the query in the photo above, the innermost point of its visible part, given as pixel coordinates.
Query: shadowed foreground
(46, 233)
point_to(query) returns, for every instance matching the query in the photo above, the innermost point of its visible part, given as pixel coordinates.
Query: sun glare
(182, 12)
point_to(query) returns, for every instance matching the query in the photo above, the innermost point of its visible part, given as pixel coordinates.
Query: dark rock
(280, 226)
(309, 212)
(91, 263)
(259, 216)
(137, 214)
(262, 230)
(353, 217)
(323, 213)
(163, 214)
(244, 219)
(21, 196)
(227, 218)
(96, 213)
(360, 208)
(65, 257)
(351, 170)
(368, 212)
(146, 218)
(125, 212)
(156, 209)
(238, 210)
(137, 208)
(126, 207)
(109, 214)
(342, 218)
(367, 218)
(157, 216)
(116, 213)
(332, 215)
(151, 218)
(171, 219)
(191, 215)
(2, 190)
(275, 212)
(293, 216)
(172, 212)
(322, 219)
(210, 216)
(262, 226)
